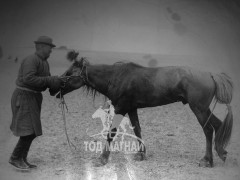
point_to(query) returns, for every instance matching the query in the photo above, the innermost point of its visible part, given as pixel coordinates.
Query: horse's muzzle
(53, 92)
(58, 95)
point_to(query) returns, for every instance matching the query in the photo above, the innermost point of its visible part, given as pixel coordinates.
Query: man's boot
(16, 158)
(25, 151)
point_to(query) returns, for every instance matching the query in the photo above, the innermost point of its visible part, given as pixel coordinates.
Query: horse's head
(75, 76)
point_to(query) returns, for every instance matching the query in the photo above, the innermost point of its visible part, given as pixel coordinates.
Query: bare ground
(174, 140)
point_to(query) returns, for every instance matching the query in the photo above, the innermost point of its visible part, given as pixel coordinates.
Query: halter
(65, 79)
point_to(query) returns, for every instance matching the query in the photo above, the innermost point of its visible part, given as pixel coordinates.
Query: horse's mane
(121, 69)
(121, 76)
(126, 64)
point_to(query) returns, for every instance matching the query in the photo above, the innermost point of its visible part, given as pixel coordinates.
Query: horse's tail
(223, 95)
(224, 88)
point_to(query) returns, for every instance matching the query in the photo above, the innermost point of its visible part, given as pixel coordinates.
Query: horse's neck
(99, 77)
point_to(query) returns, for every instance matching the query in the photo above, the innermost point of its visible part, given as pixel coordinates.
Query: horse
(130, 86)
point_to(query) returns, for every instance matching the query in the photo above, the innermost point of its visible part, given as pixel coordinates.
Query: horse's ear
(84, 61)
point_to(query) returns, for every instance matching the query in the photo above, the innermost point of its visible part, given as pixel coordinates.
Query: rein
(63, 105)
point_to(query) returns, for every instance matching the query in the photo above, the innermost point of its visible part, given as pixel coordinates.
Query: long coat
(27, 97)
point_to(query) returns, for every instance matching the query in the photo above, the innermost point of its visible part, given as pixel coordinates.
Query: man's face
(46, 49)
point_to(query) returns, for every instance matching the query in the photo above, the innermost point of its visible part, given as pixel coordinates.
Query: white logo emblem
(106, 116)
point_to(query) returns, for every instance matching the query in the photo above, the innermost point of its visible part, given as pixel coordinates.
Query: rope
(63, 106)
(210, 115)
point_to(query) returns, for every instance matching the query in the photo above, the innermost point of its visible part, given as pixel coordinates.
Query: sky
(178, 27)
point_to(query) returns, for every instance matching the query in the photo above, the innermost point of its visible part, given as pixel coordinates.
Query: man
(33, 78)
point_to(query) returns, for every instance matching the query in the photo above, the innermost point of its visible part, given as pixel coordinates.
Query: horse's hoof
(100, 161)
(205, 163)
(223, 156)
(139, 156)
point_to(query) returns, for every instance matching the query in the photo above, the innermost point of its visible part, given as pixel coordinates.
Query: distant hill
(62, 48)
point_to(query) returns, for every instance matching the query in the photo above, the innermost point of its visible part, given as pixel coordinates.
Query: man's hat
(45, 40)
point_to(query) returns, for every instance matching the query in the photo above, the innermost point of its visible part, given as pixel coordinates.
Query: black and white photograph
(119, 90)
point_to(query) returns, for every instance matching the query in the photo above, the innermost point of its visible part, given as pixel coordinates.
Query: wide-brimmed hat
(45, 40)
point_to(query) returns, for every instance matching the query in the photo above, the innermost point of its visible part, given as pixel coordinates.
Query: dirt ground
(174, 140)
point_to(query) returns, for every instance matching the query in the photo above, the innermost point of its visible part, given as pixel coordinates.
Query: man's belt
(27, 89)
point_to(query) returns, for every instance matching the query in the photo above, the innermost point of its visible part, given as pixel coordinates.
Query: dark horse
(130, 86)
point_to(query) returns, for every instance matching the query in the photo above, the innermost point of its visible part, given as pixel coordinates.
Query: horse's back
(149, 87)
(185, 84)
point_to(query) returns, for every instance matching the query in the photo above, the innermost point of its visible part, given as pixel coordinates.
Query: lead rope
(63, 106)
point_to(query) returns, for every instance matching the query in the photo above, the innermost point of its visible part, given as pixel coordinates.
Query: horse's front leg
(141, 154)
(103, 159)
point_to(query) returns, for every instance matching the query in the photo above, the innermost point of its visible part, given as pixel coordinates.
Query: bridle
(81, 74)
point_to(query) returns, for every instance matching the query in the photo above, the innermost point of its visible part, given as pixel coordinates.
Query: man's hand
(54, 82)
(64, 79)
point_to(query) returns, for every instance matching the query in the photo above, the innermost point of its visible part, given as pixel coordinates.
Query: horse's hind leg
(216, 123)
(202, 116)
(141, 154)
